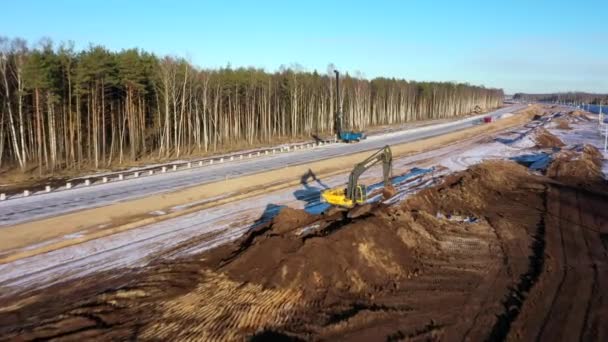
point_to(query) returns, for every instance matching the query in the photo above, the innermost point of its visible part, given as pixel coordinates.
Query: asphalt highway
(35, 207)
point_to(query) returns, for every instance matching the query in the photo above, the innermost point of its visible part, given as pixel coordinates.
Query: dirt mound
(579, 167)
(367, 254)
(477, 191)
(562, 123)
(545, 139)
(289, 219)
(579, 114)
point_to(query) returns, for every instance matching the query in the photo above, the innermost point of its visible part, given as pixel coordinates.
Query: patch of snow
(457, 218)
(478, 154)
(75, 235)
(195, 203)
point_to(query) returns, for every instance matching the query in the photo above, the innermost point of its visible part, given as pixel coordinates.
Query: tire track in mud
(567, 303)
(515, 299)
(564, 273)
(487, 299)
(564, 311)
(594, 284)
(595, 316)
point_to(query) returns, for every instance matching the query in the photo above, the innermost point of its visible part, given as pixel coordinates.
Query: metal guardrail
(78, 183)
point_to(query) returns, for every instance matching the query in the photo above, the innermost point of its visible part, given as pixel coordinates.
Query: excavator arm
(385, 156)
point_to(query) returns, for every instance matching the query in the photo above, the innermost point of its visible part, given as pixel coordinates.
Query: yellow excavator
(355, 193)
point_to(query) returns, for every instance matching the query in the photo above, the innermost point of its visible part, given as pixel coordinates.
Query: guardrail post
(241, 157)
(2, 197)
(266, 152)
(121, 177)
(231, 158)
(135, 174)
(174, 167)
(189, 164)
(26, 193)
(68, 185)
(221, 160)
(104, 180)
(86, 182)
(249, 156)
(200, 163)
(164, 169)
(211, 162)
(606, 138)
(258, 153)
(151, 172)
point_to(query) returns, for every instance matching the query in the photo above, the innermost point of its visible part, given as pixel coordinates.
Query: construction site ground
(498, 232)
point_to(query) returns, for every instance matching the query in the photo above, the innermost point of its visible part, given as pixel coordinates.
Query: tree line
(570, 97)
(67, 109)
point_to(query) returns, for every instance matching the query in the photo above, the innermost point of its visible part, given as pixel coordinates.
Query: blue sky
(531, 46)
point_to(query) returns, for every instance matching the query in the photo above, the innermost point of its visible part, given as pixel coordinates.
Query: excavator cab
(337, 196)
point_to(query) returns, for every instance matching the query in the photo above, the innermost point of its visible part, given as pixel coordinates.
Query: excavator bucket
(388, 192)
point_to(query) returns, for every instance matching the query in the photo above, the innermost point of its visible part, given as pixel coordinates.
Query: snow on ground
(584, 132)
(504, 146)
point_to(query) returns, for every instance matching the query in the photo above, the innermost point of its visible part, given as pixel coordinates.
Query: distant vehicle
(484, 120)
(351, 136)
(345, 136)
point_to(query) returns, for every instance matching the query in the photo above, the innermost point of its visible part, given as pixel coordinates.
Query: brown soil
(582, 168)
(530, 265)
(545, 139)
(388, 192)
(562, 124)
(579, 114)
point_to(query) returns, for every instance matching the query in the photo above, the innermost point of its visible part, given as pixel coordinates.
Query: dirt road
(568, 302)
